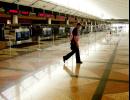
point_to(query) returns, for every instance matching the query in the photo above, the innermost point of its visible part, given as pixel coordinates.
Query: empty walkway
(42, 75)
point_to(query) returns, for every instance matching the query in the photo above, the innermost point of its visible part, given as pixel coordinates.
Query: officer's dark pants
(75, 50)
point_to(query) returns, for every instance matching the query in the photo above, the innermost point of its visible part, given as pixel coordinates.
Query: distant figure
(110, 33)
(36, 32)
(74, 45)
(108, 37)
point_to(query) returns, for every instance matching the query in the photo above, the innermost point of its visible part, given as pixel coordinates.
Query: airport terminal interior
(36, 34)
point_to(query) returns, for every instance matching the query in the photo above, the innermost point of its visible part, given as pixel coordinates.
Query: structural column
(8, 21)
(67, 21)
(91, 27)
(86, 23)
(15, 19)
(95, 25)
(49, 21)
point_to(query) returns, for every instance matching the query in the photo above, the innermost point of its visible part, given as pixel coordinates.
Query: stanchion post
(10, 46)
(53, 39)
(39, 46)
(88, 43)
(39, 42)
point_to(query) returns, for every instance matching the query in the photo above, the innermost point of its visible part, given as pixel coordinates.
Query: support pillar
(8, 21)
(91, 27)
(15, 19)
(49, 21)
(95, 25)
(67, 21)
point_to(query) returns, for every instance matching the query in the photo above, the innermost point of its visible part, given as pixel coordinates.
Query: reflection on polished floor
(42, 75)
(15, 51)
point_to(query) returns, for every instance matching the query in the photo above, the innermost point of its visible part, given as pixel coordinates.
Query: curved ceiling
(103, 9)
(117, 9)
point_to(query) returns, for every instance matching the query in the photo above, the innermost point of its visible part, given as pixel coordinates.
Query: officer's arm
(76, 39)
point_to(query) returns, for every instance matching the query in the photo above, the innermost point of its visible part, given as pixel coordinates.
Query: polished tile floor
(42, 75)
(8, 52)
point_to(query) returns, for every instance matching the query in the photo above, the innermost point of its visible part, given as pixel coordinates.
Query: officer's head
(78, 25)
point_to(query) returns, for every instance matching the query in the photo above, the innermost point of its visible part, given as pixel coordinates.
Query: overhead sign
(13, 11)
(60, 17)
(24, 12)
(45, 15)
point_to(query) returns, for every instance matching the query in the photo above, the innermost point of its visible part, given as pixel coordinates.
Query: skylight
(86, 6)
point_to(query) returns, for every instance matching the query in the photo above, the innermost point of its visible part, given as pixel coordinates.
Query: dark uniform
(74, 48)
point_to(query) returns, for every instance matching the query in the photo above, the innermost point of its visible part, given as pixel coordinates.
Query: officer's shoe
(79, 62)
(64, 59)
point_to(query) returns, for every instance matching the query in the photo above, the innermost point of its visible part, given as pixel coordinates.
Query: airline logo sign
(14, 11)
(60, 17)
(45, 15)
